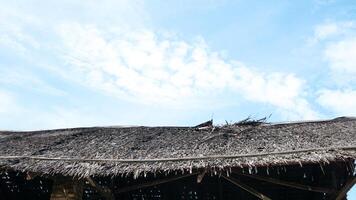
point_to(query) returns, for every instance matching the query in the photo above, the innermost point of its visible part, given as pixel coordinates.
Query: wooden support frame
(153, 183)
(343, 191)
(103, 190)
(67, 188)
(288, 184)
(246, 188)
(201, 176)
(31, 175)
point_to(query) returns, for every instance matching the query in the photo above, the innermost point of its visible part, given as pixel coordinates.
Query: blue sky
(83, 63)
(75, 63)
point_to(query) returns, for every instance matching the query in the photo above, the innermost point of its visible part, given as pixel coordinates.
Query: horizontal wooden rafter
(152, 183)
(287, 183)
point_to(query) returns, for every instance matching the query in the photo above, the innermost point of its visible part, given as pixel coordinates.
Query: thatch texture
(111, 151)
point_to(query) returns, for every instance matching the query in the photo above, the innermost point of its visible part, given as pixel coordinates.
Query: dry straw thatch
(118, 151)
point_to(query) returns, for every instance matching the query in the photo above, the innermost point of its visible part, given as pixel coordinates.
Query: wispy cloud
(15, 76)
(149, 67)
(13, 26)
(342, 55)
(339, 39)
(338, 47)
(331, 29)
(342, 102)
(127, 59)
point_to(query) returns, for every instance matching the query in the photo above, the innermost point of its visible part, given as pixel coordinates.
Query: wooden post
(341, 194)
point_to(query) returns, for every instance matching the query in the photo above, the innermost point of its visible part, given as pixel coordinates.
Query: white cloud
(338, 43)
(338, 40)
(284, 91)
(26, 31)
(149, 67)
(13, 26)
(137, 64)
(342, 55)
(342, 102)
(331, 30)
(324, 31)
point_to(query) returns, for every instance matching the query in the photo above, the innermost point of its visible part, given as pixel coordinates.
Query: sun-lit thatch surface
(174, 142)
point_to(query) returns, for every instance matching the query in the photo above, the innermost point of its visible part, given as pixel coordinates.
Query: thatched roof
(110, 151)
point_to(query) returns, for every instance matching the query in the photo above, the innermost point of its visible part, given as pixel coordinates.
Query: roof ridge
(342, 118)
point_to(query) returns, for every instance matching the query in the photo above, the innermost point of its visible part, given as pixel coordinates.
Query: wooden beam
(152, 183)
(246, 188)
(201, 176)
(103, 190)
(31, 175)
(288, 184)
(343, 191)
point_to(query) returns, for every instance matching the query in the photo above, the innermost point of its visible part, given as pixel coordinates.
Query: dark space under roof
(112, 151)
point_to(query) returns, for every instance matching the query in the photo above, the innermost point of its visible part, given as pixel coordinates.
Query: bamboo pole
(287, 183)
(234, 156)
(246, 188)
